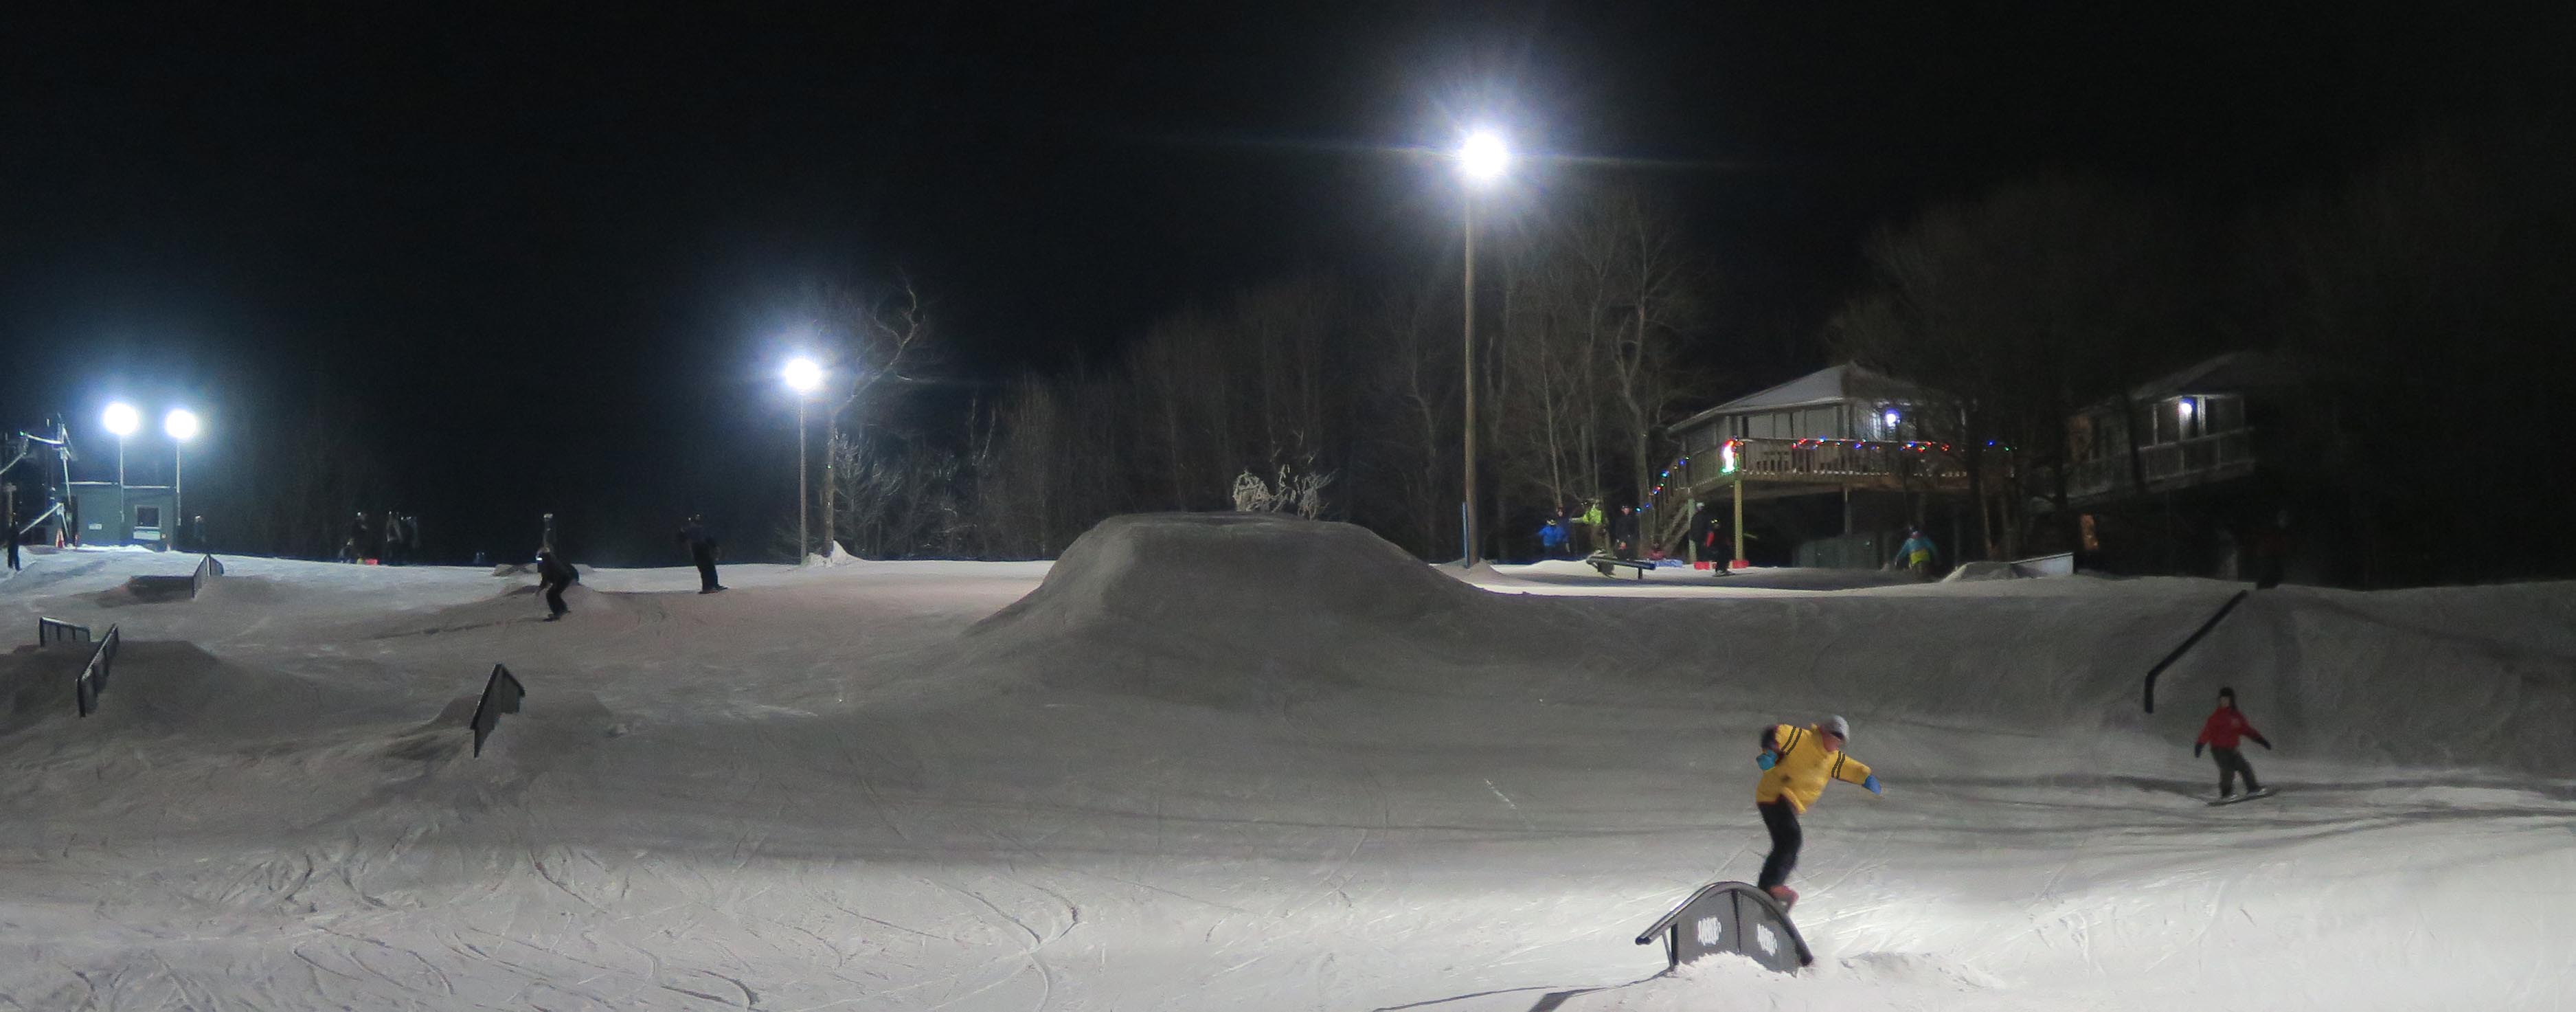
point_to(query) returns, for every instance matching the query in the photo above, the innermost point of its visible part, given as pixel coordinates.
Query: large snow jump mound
(1192, 569)
(1225, 609)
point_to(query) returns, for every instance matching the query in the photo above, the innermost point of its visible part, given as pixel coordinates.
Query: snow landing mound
(1224, 608)
(1188, 569)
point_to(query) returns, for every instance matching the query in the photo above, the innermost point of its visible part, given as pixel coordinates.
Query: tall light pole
(804, 376)
(122, 420)
(1482, 158)
(181, 425)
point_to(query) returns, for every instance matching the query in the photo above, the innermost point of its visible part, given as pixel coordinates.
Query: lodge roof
(1830, 385)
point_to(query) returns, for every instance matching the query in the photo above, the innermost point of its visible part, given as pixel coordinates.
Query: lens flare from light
(122, 419)
(803, 375)
(1483, 158)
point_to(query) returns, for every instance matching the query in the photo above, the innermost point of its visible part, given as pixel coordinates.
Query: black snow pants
(2230, 763)
(554, 597)
(1781, 818)
(706, 560)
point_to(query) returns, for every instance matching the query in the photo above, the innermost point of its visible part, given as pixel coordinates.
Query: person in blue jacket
(1916, 554)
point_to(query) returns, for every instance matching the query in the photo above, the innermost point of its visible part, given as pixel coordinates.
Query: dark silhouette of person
(1623, 533)
(702, 551)
(394, 553)
(554, 576)
(355, 549)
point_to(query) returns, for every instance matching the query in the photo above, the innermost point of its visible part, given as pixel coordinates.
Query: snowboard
(2247, 796)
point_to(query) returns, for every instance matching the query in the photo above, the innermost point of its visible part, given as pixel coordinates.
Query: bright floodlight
(180, 423)
(122, 419)
(1483, 157)
(803, 375)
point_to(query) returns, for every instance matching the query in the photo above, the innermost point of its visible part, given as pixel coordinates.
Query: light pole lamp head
(803, 375)
(180, 424)
(1483, 157)
(122, 419)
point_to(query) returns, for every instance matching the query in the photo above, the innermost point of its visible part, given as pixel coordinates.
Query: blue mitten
(1873, 785)
(1767, 760)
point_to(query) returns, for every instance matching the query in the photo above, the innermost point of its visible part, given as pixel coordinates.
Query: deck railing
(1792, 459)
(1824, 462)
(2165, 465)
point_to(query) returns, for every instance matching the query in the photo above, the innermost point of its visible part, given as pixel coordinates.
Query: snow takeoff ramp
(1731, 917)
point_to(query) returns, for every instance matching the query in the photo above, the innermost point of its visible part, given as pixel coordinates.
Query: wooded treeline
(2422, 299)
(1582, 320)
(2420, 307)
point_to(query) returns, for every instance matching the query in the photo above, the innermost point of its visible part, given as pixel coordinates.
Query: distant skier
(1796, 762)
(702, 550)
(554, 576)
(1623, 532)
(354, 549)
(1916, 554)
(395, 553)
(2221, 734)
(1551, 537)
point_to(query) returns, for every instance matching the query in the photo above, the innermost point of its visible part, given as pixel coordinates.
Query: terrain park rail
(50, 631)
(93, 675)
(1730, 917)
(2186, 645)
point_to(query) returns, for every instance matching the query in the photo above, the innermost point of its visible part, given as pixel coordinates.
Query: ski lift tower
(46, 457)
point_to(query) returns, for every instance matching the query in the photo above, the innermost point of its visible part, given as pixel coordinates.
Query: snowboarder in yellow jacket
(1796, 762)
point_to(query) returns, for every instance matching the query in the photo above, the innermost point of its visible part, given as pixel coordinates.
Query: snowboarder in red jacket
(2221, 734)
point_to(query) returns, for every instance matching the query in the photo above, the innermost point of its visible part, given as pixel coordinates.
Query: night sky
(550, 256)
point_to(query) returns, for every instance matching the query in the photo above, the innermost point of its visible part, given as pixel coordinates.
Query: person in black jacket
(702, 550)
(1623, 533)
(355, 549)
(554, 576)
(395, 552)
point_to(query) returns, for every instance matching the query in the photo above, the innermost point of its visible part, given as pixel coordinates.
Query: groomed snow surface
(1231, 763)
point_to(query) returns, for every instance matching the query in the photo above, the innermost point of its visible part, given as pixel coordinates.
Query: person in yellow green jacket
(1796, 762)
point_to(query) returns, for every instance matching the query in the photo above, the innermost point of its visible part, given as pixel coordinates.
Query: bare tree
(874, 336)
(2023, 307)
(1598, 304)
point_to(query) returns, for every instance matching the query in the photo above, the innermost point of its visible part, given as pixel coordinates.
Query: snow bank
(1192, 568)
(1411, 792)
(164, 687)
(1226, 607)
(1255, 603)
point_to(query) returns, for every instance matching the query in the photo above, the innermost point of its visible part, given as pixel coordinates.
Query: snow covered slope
(1262, 763)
